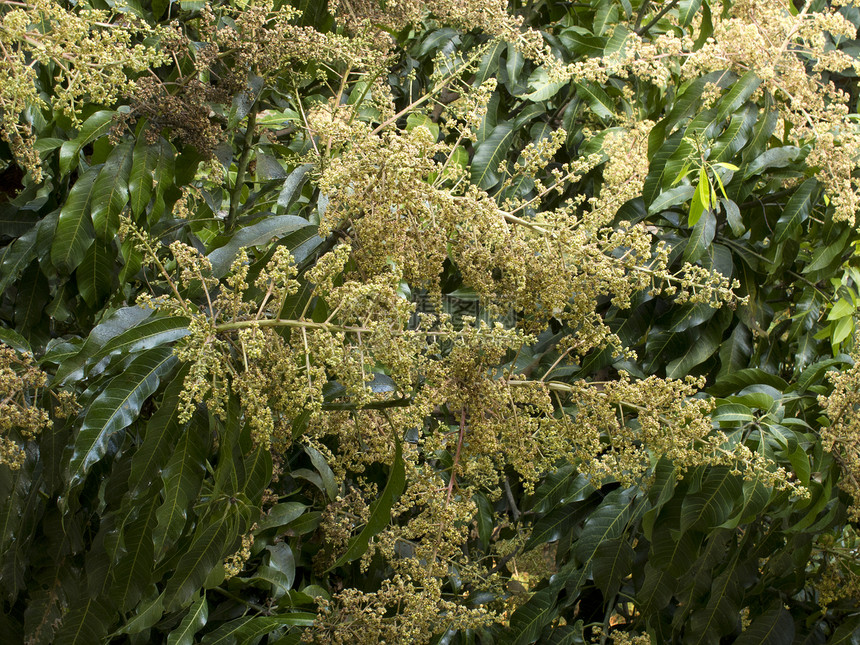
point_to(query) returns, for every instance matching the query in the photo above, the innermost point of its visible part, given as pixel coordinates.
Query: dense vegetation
(429, 322)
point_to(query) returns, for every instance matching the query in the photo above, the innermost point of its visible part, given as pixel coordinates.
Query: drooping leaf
(110, 191)
(94, 275)
(181, 479)
(116, 407)
(712, 505)
(192, 622)
(490, 153)
(75, 230)
(528, 621)
(209, 547)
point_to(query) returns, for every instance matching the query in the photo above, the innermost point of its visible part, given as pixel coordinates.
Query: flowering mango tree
(377, 321)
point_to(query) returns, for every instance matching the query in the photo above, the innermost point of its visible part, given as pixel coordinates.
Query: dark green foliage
(117, 525)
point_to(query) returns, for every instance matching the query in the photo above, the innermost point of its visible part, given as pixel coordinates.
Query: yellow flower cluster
(21, 418)
(90, 54)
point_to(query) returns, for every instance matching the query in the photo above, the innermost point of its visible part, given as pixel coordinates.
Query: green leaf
(144, 159)
(133, 572)
(181, 478)
(671, 197)
(597, 99)
(558, 522)
(829, 254)
(280, 515)
(543, 88)
(657, 589)
(607, 522)
(380, 510)
(192, 622)
(14, 340)
(656, 178)
(712, 505)
(206, 552)
(258, 234)
(489, 154)
(733, 217)
(687, 9)
(796, 211)
(85, 623)
(248, 630)
(150, 333)
(75, 230)
(841, 309)
(561, 486)
(94, 275)
(145, 616)
(773, 158)
(613, 561)
(739, 93)
(848, 633)
(567, 635)
(113, 325)
(720, 615)
(699, 350)
(733, 139)
(292, 186)
(324, 471)
(528, 621)
(484, 519)
(417, 119)
(110, 191)
(282, 561)
(18, 255)
(116, 407)
(800, 463)
(94, 127)
(732, 412)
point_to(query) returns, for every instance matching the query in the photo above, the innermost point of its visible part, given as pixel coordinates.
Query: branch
(644, 30)
(241, 168)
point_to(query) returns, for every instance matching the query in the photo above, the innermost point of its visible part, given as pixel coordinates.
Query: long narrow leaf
(117, 407)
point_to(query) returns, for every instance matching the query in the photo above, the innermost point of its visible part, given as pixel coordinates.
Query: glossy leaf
(261, 233)
(206, 551)
(489, 154)
(110, 191)
(75, 232)
(192, 622)
(116, 408)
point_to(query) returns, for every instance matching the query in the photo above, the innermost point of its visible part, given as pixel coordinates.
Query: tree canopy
(445, 322)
